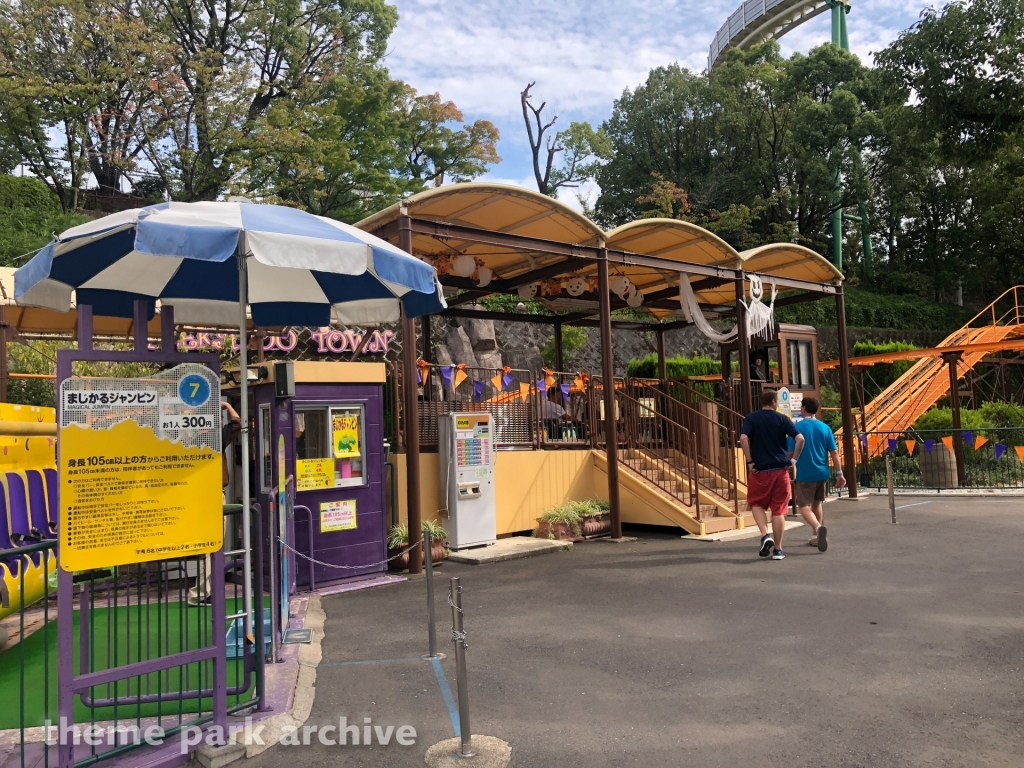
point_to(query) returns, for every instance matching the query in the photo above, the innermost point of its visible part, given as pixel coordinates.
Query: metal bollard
(888, 482)
(428, 563)
(459, 638)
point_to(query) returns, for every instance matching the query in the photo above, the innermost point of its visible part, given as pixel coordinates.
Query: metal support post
(611, 434)
(428, 564)
(459, 638)
(743, 350)
(410, 406)
(951, 359)
(888, 482)
(846, 402)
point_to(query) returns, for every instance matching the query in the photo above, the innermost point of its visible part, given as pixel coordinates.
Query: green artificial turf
(166, 633)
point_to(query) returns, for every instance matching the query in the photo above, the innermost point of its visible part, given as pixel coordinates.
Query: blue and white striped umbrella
(303, 270)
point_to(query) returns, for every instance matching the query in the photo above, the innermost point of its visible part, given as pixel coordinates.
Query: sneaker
(813, 541)
(778, 554)
(822, 541)
(767, 543)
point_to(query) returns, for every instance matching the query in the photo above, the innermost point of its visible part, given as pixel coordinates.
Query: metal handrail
(648, 432)
(715, 470)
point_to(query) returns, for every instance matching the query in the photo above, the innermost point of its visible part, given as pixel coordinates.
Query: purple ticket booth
(319, 433)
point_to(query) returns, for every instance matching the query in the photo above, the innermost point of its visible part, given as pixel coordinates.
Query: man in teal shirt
(812, 472)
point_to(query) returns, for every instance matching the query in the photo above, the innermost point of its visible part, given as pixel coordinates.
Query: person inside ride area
(764, 443)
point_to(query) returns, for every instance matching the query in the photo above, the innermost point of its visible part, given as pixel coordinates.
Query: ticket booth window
(334, 437)
(801, 363)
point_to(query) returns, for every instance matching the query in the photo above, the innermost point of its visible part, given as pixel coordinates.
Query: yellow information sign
(337, 515)
(128, 496)
(311, 474)
(345, 434)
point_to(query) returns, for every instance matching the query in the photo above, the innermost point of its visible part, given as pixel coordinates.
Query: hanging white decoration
(463, 265)
(760, 318)
(575, 286)
(528, 291)
(693, 314)
(483, 276)
(635, 298)
(619, 285)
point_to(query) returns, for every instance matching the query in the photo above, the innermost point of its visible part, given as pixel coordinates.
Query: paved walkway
(900, 646)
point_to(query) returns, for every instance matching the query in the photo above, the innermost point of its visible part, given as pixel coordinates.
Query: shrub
(676, 367)
(866, 309)
(941, 419)
(1002, 414)
(880, 376)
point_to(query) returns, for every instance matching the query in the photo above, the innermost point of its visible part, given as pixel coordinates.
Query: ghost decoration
(635, 299)
(528, 291)
(619, 285)
(575, 286)
(463, 265)
(483, 276)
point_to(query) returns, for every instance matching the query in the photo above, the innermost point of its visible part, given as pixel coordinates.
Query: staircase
(676, 460)
(897, 407)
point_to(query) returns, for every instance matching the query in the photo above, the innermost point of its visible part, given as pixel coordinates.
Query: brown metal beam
(845, 400)
(608, 383)
(410, 406)
(951, 359)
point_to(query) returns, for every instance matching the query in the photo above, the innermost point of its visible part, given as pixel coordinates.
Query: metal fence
(505, 393)
(992, 458)
(124, 617)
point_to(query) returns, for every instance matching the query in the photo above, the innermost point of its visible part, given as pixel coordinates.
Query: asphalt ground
(900, 646)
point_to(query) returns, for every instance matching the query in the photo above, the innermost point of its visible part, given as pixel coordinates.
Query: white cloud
(481, 53)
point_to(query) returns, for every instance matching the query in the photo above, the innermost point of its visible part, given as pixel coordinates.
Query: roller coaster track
(1001, 324)
(756, 21)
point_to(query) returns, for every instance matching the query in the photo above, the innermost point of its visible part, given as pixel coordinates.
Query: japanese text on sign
(131, 492)
(99, 399)
(337, 515)
(311, 474)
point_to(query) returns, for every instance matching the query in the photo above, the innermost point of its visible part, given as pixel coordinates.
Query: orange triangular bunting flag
(911, 445)
(1020, 451)
(524, 390)
(498, 383)
(979, 441)
(873, 441)
(578, 381)
(948, 442)
(460, 376)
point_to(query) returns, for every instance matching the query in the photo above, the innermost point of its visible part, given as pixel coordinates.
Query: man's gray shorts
(808, 493)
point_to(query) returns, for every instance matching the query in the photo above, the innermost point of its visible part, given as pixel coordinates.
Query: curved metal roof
(517, 211)
(790, 260)
(494, 208)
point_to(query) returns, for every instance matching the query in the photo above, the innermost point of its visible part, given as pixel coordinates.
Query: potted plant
(595, 518)
(398, 541)
(560, 523)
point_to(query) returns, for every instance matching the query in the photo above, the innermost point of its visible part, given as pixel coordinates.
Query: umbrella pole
(243, 301)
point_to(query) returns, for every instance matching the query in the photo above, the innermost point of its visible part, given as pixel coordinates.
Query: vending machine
(466, 452)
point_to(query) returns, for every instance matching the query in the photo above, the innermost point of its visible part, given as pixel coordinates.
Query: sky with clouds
(581, 53)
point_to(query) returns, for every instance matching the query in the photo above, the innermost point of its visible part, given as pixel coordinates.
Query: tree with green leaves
(582, 149)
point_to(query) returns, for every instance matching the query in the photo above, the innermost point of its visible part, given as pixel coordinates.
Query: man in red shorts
(766, 451)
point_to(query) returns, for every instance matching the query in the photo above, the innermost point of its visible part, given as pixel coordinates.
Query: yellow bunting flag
(911, 445)
(578, 381)
(524, 390)
(498, 383)
(948, 442)
(979, 441)
(460, 376)
(549, 380)
(1020, 451)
